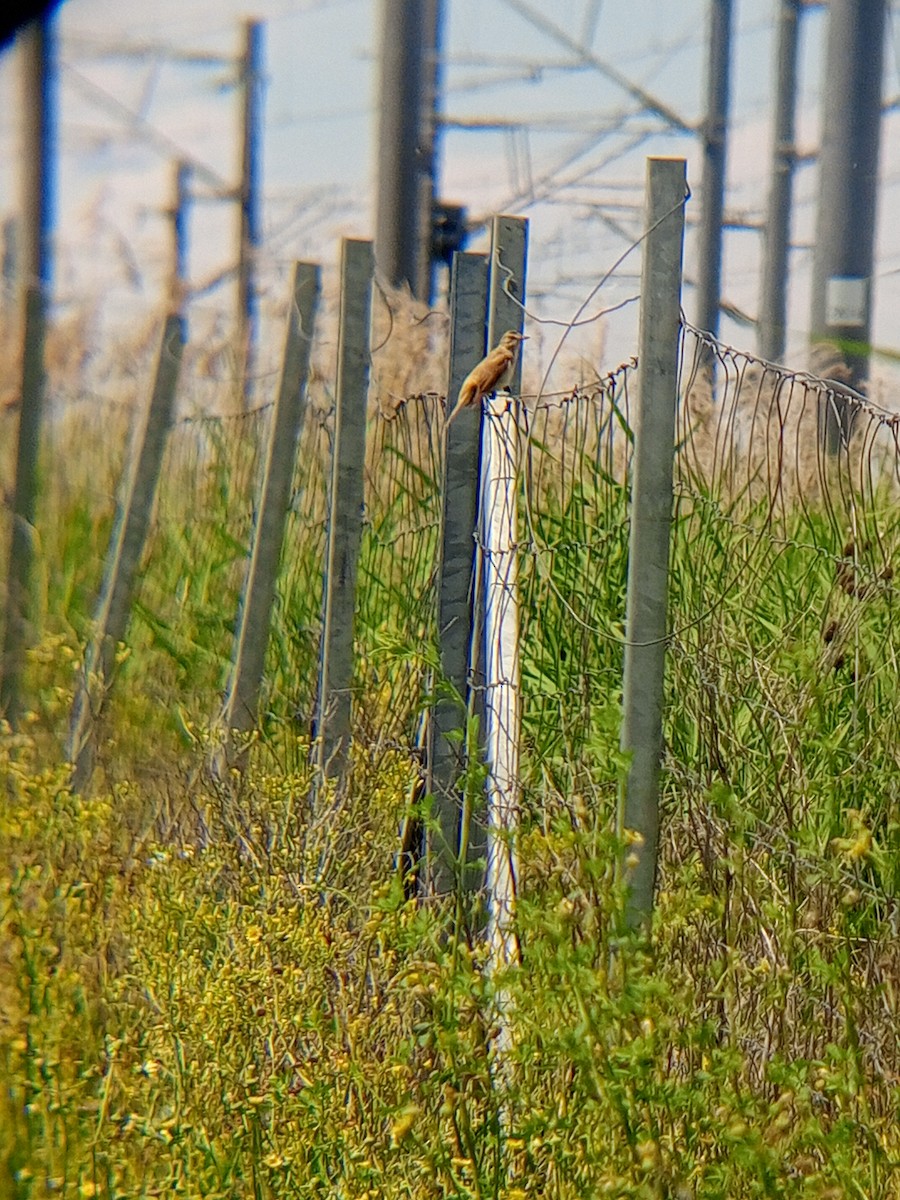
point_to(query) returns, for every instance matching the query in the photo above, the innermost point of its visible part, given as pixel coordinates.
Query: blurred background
(197, 149)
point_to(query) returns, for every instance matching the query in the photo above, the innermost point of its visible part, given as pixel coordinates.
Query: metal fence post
(651, 515)
(126, 547)
(345, 509)
(468, 312)
(240, 710)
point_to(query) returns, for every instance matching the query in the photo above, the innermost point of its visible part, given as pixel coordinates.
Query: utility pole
(712, 182)
(399, 235)
(848, 182)
(8, 259)
(251, 84)
(33, 268)
(177, 214)
(429, 157)
(776, 267)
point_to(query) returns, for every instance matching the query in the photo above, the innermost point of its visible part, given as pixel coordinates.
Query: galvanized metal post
(776, 265)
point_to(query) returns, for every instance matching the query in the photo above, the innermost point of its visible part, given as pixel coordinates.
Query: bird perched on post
(493, 372)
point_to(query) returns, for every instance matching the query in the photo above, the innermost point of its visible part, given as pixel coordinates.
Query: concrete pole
(8, 255)
(129, 537)
(651, 517)
(177, 214)
(429, 168)
(712, 182)
(848, 183)
(398, 219)
(776, 266)
(499, 468)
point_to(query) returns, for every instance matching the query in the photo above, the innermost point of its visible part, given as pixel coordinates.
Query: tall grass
(222, 989)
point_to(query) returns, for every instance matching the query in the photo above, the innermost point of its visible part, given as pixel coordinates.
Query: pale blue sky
(321, 122)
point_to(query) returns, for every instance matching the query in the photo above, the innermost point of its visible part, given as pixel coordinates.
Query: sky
(131, 100)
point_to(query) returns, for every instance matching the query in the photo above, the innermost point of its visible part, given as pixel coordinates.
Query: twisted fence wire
(397, 616)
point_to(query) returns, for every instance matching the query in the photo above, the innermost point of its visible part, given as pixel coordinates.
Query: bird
(493, 372)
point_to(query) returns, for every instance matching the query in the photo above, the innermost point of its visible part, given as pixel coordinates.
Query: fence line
(781, 631)
(779, 810)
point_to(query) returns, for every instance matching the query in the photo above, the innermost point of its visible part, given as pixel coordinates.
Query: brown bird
(493, 372)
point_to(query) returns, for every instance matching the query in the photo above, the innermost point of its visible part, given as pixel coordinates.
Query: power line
(646, 100)
(141, 128)
(86, 47)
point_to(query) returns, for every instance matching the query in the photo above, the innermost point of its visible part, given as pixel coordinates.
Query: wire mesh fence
(782, 654)
(397, 630)
(572, 578)
(783, 662)
(782, 730)
(776, 898)
(188, 598)
(780, 800)
(784, 638)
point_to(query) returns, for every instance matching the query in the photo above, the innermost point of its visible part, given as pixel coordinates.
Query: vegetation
(221, 988)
